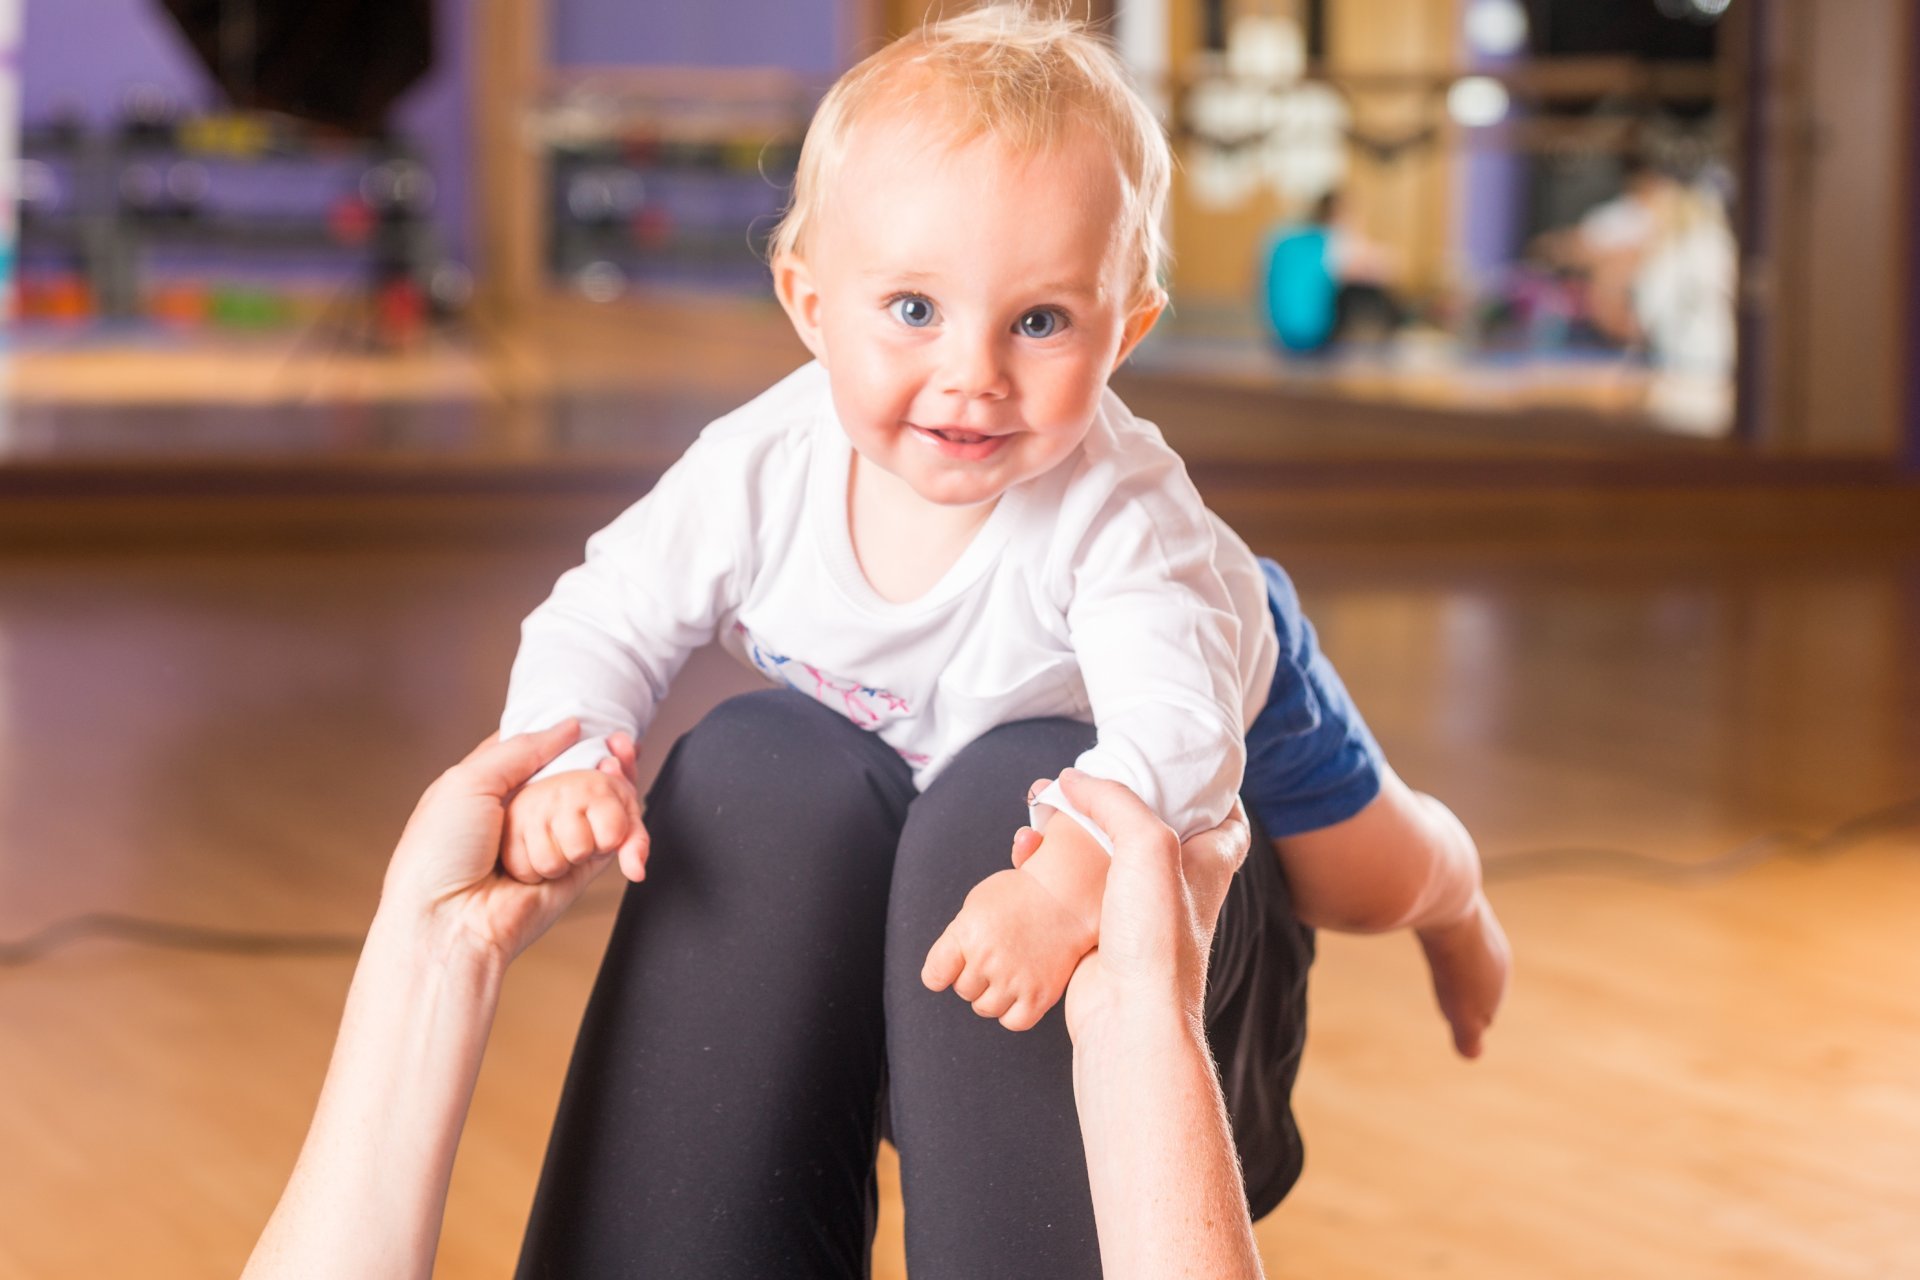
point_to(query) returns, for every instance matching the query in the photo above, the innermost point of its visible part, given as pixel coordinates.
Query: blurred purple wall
(807, 36)
(80, 56)
(1488, 189)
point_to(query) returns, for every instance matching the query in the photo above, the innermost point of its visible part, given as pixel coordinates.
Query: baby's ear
(1140, 323)
(793, 284)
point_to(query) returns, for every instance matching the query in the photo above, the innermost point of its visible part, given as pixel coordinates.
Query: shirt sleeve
(617, 628)
(1156, 637)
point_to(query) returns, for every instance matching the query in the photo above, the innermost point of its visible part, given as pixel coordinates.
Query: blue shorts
(1311, 761)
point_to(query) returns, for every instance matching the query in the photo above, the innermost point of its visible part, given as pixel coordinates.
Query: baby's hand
(1470, 961)
(1010, 951)
(570, 818)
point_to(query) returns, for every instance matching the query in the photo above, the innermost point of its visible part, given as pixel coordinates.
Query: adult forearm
(1168, 1199)
(368, 1191)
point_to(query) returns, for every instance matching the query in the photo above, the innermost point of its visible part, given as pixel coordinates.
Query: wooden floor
(1698, 1080)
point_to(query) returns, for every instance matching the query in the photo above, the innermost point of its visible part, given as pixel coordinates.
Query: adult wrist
(1125, 1026)
(429, 937)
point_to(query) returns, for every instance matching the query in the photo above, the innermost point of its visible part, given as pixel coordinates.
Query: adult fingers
(1027, 839)
(626, 753)
(496, 767)
(944, 963)
(1210, 859)
(1133, 828)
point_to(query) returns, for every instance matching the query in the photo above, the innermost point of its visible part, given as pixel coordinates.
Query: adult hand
(379, 1154)
(1161, 904)
(1167, 1195)
(445, 871)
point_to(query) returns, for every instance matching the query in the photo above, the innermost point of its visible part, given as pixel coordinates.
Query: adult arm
(369, 1189)
(1167, 1193)
(1168, 1199)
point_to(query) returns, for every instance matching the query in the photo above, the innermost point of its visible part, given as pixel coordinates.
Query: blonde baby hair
(1020, 74)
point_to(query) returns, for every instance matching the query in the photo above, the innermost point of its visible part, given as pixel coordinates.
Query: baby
(947, 522)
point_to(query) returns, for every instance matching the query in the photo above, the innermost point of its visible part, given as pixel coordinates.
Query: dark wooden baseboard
(402, 503)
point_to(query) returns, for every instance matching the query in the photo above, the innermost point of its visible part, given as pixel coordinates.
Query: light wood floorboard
(1695, 1080)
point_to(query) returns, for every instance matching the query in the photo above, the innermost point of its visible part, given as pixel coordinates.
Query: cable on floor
(1631, 865)
(1520, 865)
(143, 931)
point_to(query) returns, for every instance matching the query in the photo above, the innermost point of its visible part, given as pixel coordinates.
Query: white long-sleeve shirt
(1102, 590)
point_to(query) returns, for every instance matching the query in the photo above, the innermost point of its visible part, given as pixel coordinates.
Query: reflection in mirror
(1497, 206)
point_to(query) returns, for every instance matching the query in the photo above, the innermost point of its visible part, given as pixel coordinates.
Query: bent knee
(778, 742)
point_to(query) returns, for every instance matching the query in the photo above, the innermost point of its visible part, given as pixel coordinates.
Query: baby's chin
(960, 494)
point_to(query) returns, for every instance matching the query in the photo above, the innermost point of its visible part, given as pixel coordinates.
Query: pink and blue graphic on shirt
(866, 706)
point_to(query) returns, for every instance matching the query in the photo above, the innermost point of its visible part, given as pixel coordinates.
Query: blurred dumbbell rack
(202, 219)
(666, 176)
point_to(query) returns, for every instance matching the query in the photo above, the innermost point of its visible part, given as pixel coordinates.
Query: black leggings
(759, 1018)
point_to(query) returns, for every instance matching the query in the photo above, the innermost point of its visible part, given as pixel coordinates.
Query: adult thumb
(1137, 833)
(497, 766)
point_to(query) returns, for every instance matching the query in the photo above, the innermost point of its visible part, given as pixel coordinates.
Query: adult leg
(1256, 1020)
(991, 1164)
(720, 1115)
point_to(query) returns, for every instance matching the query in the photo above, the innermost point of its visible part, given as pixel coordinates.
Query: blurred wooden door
(1828, 293)
(897, 17)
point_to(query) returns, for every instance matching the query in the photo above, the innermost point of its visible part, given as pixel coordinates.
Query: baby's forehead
(896, 144)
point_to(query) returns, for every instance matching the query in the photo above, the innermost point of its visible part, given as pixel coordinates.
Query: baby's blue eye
(912, 310)
(1043, 323)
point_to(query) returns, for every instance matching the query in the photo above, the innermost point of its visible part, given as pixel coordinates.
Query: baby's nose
(975, 368)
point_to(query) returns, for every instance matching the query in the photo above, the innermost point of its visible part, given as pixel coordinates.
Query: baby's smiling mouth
(953, 435)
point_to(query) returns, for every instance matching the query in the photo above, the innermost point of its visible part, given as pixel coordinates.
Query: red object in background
(181, 305)
(400, 312)
(642, 150)
(63, 299)
(652, 227)
(351, 220)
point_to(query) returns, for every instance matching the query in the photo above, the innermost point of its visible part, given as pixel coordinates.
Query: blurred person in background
(1607, 247)
(1326, 281)
(1683, 303)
